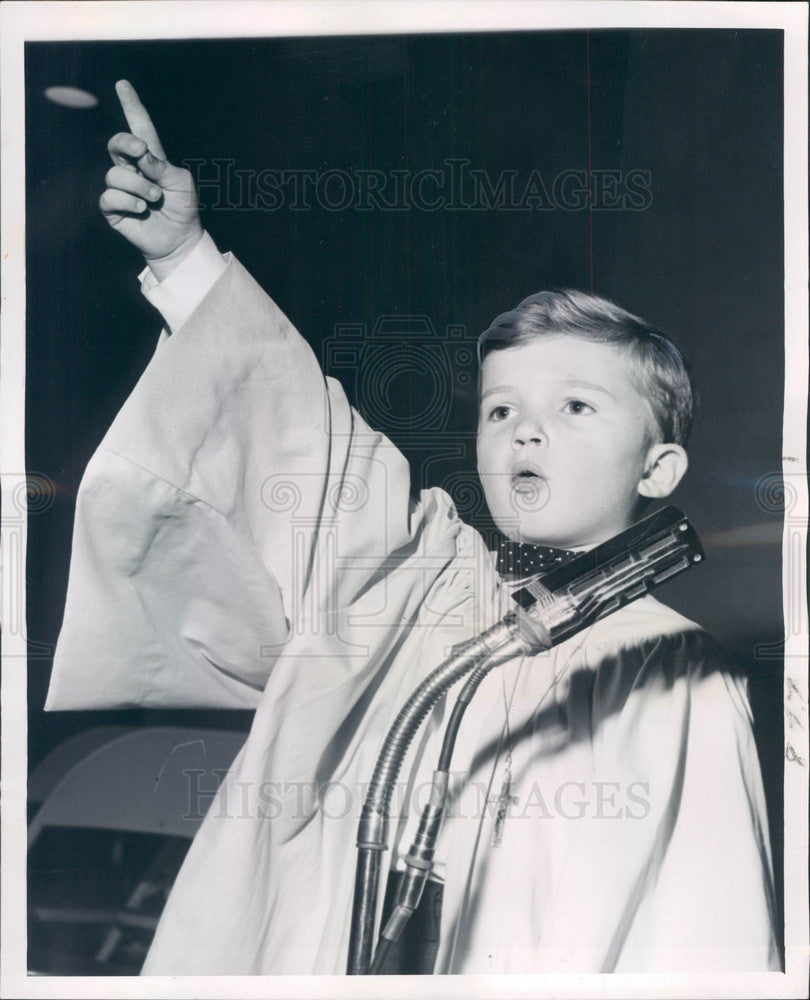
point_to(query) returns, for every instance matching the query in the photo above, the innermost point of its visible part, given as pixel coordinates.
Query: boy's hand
(149, 201)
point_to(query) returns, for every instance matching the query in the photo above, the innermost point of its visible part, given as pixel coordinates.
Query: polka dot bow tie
(515, 560)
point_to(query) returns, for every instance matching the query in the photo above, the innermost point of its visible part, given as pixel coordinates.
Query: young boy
(243, 539)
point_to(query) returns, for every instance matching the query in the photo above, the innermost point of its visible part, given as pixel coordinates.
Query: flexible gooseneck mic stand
(548, 610)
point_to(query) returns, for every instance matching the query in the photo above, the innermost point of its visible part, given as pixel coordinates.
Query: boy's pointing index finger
(138, 119)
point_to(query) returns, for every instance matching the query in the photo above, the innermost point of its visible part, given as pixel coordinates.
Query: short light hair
(661, 374)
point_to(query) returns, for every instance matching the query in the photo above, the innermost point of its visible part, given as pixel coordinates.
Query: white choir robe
(243, 540)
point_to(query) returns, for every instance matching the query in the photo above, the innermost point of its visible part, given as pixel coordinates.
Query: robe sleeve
(197, 517)
(673, 870)
(709, 903)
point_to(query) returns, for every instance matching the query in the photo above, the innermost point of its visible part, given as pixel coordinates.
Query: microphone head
(598, 582)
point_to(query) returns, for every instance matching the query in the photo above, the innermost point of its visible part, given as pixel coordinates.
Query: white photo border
(64, 21)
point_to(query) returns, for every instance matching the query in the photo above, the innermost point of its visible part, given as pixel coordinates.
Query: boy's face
(563, 441)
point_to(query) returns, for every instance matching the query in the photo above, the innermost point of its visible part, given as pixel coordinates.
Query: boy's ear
(664, 469)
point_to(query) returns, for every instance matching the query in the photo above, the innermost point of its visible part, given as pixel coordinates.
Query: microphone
(548, 610)
(560, 603)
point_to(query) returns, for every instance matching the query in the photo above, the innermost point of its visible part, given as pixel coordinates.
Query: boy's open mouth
(526, 478)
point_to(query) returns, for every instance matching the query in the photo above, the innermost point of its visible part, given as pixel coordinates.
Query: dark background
(701, 111)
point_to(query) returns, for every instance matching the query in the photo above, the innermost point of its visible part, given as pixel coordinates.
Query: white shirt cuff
(179, 294)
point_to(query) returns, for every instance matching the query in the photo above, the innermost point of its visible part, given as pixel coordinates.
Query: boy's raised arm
(199, 519)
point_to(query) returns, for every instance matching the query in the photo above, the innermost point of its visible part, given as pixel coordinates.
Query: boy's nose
(527, 433)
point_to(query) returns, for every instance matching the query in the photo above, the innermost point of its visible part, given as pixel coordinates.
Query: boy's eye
(578, 406)
(499, 413)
